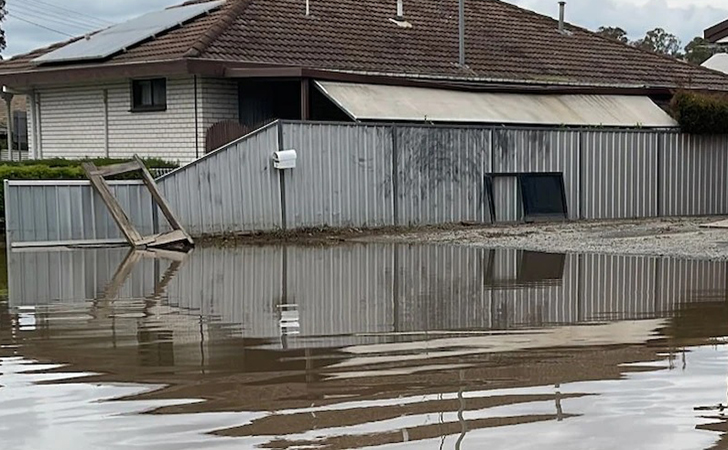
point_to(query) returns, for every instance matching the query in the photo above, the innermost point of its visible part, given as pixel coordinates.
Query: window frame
(528, 216)
(138, 108)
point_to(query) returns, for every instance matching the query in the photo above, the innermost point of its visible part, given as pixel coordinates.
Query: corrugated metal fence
(352, 175)
(378, 288)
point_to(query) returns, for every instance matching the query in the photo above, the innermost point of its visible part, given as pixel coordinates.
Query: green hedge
(60, 162)
(61, 169)
(699, 113)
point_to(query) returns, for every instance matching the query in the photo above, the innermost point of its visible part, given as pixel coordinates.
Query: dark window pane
(159, 88)
(543, 195)
(149, 93)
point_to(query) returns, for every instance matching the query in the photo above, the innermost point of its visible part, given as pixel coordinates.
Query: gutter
(219, 69)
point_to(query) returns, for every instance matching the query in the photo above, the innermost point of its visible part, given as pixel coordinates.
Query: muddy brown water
(358, 346)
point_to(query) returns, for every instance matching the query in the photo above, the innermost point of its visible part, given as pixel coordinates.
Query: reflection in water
(367, 345)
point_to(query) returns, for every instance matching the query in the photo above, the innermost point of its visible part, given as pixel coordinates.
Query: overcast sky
(685, 18)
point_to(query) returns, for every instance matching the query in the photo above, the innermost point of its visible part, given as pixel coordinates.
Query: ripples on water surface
(391, 346)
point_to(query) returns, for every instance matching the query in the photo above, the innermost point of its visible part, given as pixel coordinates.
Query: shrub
(699, 113)
(61, 162)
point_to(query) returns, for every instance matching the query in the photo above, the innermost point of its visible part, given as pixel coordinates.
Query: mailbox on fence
(285, 159)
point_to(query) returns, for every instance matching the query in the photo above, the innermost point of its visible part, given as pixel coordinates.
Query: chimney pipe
(562, 9)
(308, 8)
(400, 9)
(462, 32)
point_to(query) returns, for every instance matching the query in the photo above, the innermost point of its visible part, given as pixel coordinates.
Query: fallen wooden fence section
(177, 237)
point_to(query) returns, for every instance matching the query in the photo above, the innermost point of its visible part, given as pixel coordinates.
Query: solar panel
(122, 36)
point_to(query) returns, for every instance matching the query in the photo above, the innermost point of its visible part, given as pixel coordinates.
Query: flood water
(386, 346)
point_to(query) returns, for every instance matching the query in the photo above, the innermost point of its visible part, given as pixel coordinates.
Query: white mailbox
(285, 159)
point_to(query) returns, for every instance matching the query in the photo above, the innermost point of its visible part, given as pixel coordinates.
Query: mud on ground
(680, 237)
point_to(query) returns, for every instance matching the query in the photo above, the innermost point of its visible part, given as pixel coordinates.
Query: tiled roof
(503, 43)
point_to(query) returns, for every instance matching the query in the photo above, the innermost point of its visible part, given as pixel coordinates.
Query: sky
(55, 20)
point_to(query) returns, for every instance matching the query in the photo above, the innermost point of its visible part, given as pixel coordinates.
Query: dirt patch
(679, 237)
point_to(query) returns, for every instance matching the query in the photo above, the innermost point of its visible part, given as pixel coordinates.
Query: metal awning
(416, 104)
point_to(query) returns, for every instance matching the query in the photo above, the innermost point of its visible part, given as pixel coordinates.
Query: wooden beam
(122, 274)
(117, 169)
(162, 203)
(305, 99)
(96, 177)
(264, 72)
(117, 212)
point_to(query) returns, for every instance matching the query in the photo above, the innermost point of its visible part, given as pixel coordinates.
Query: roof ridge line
(216, 29)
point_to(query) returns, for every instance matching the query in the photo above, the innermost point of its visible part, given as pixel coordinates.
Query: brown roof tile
(503, 43)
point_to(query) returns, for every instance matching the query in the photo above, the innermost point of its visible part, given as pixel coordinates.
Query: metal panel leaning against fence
(373, 175)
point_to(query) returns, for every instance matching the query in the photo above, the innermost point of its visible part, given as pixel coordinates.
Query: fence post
(580, 155)
(660, 148)
(395, 176)
(282, 180)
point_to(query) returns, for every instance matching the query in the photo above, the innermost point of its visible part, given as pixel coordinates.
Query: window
(149, 95)
(543, 196)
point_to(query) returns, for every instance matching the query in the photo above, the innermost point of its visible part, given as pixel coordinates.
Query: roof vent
(399, 20)
(562, 13)
(308, 7)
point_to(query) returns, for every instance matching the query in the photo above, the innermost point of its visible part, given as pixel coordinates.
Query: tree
(614, 33)
(699, 50)
(660, 41)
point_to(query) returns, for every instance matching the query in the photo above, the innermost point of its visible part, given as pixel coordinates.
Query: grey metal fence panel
(507, 203)
(684, 281)
(520, 298)
(62, 211)
(234, 189)
(441, 175)
(341, 291)
(693, 173)
(239, 287)
(615, 287)
(619, 174)
(524, 151)
(343, 175)
(440, 288)
(74, 276)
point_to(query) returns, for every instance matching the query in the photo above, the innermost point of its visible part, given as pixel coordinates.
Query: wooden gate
(222, 133)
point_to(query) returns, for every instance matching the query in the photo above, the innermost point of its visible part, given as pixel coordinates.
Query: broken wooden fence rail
(177, 237)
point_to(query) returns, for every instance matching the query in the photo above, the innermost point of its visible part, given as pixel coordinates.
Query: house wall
(96, 121)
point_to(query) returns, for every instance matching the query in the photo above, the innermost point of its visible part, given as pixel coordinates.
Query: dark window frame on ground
(529, 214)
(148, 95)
(529, 211)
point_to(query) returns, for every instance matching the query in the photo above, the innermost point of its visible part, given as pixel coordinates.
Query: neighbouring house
(717, 35)
(19, 128)
(179, 82)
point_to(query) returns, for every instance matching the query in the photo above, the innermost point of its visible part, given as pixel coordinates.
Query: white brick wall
(72, 122)
(219, 100)
(72, 119)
